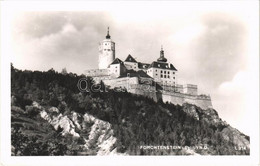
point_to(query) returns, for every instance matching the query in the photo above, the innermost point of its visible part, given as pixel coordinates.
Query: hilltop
(50, 116)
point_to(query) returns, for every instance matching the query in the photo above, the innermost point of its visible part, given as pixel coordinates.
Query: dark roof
(162, 59)
(117, 61)
(130, 59)
(133, 73)
(143, 65)
(162, 65)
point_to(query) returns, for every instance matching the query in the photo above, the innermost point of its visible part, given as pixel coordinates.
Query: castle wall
(144, 90)
(97, 72)
(202, 101)
(190, 89)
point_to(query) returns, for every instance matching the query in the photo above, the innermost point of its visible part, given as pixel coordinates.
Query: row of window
(165, 72)
(108, 44)
(164, 76)
(107, 49)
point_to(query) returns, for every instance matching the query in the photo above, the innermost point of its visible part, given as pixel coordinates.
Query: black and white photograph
(130, 81)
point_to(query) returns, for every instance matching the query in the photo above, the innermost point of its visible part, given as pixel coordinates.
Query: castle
(157, 80)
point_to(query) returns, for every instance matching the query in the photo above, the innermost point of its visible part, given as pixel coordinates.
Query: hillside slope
(51, 117)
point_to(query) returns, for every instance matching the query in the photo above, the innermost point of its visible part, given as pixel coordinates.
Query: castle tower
(106, 52)
(162, 58)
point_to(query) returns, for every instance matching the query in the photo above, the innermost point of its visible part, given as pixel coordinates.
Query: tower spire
(108, 36)
(162, 58)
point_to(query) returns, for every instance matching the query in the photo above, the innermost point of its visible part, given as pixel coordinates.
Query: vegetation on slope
(136, 120)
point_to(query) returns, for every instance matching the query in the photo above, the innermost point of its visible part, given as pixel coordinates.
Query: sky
(211, 44)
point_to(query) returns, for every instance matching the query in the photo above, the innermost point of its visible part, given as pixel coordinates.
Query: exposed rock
(231, 134)
(37, 105)
(101, 134)
(191, 110)
(60, 121)
(54, 109)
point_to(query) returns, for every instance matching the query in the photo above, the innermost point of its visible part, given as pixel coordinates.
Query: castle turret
(106, 52)
(162, 58)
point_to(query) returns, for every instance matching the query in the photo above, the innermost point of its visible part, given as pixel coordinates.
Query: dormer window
(158, 65)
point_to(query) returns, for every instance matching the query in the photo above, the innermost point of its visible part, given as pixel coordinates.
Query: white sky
(212, 44)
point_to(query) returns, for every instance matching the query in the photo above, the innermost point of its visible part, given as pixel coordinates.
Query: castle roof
(143, 65)
(162, 65)
(130, 59)
(117, 61)
(133, 73)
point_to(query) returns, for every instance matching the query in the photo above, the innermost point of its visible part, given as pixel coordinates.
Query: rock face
(97, 134)
(102, 134)
(191, 110)
(211, 117)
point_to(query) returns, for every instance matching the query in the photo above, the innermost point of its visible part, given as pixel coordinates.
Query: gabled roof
(162, 65)
(130, 59)
(133, 73)
(143, 65)
(117, 61)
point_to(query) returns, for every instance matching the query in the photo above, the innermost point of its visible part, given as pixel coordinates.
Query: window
(173, 77)
(105, 43)
(161, 71)
(173, 72)
(116, 66)
(161, 76)
(164, 72)
(116, 70)
(105, 49)
(168, 72)
(156, 74)
(108, 49)
(156, 70)
(168, 76)
(164, 76)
